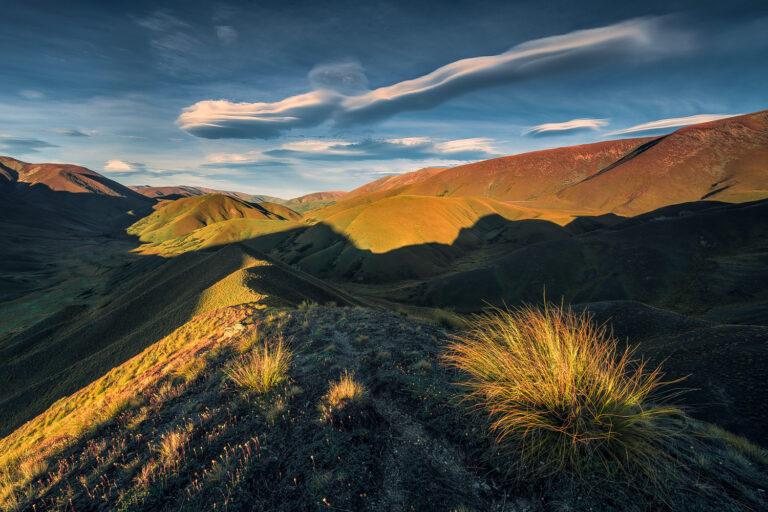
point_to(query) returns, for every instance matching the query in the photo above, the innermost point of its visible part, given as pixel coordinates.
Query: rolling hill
(185, 215)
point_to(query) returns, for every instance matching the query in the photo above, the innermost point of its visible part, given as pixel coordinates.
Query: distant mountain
(176, 192)
(59, 178)
(319, 196)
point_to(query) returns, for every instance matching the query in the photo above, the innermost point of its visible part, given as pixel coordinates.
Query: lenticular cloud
(224, 119)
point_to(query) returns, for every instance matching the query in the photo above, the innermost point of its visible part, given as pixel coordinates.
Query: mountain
(176, 192)
(60, 178)
(319, 196)
(720, 160)
(395, 181)
(61, 228)
(123, 319)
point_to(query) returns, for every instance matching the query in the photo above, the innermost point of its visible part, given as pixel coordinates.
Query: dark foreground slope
(168, 431)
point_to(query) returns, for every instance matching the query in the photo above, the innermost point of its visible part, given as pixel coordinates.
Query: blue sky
(285, 98)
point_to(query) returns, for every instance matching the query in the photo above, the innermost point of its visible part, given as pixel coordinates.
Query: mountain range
(106, 288)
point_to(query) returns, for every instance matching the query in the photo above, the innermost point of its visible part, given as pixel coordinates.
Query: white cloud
(567, 126)
(480, 144)
(121, 166)
(641, 38)
(673, 122)
(235, 158)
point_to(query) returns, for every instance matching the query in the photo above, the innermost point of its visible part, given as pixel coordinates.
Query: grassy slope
(185, 215)
(410, 445)
(404, 220)
(150, 299)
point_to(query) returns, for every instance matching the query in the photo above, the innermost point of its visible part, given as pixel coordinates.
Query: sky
(291, 97)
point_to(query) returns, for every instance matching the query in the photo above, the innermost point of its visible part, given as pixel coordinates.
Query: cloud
(22, 145)
(174, 42)
(673, 122)
(346, 77)
(121, 166)
(71, 132)
(637, 38)
(572, 126)
(223, 119)
(410, 148)
(226, 34)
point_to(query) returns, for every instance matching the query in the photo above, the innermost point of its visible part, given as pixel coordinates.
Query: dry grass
(345, 391)
(173, 444)
(262, 369)
(560, 395)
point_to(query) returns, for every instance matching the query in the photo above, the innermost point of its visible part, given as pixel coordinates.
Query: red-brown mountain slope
(527, 176)
(397, 180)
(721, 160)
(724, 160)
(62, 178)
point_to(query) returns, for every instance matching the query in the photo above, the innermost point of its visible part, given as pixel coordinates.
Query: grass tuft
(262, 369)
(559, 394)
(346, 391)
(173, 444)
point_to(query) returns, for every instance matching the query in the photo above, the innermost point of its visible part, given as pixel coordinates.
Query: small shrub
(262, 369)
(560, 396)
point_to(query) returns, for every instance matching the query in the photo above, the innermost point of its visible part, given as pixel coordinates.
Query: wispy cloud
(227, 35)
(22, 145)
(174, 42)
(673, 122)
(409, 148)
(572, 126)
(645, 37)
(71, 132)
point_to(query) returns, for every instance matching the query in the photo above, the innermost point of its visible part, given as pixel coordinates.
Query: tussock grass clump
(262, 369)
(173, 444)
(346, 404)
(560, 395)
(346, 390)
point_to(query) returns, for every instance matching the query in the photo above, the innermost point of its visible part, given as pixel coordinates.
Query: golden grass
(263, 369)
(560, 395)
(172, 443)
(345, 391)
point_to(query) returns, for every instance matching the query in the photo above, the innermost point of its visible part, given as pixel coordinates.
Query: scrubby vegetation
(262, 369)
(365, 418)
(559, 394)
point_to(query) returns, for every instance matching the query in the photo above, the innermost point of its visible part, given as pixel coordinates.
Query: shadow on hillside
(663, 258)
